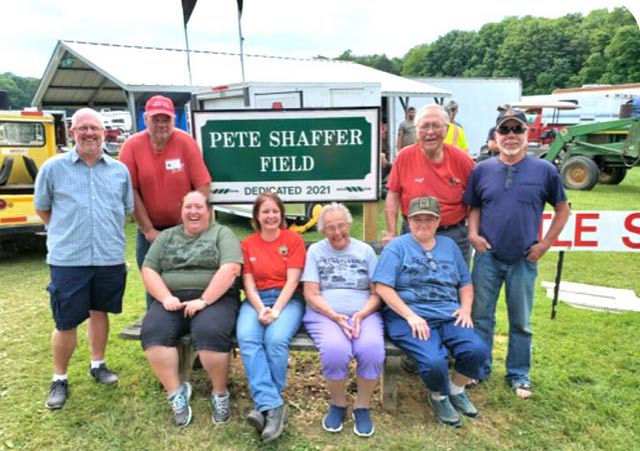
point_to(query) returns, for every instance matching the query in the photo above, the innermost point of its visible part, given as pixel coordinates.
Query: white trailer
(597, 102)
(289, 95)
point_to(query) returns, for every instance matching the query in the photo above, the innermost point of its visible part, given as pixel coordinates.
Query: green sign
(303, 155)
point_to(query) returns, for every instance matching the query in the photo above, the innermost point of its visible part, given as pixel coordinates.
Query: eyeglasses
(430, 127)
(431, 262)
(337, 228)
(506, 129)
(86, 128)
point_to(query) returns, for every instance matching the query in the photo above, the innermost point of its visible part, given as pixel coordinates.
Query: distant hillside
(21, 89)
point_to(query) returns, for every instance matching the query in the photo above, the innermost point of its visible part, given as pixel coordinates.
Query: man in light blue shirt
(83, 196)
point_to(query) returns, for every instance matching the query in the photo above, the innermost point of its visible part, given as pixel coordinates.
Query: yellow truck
(27, 140)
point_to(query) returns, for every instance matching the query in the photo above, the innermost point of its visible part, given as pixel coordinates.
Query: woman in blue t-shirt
(426, 286)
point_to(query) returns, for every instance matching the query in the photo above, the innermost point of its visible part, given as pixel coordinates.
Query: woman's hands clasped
(173, 304)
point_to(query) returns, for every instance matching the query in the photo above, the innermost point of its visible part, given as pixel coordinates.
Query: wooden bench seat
(301, 342)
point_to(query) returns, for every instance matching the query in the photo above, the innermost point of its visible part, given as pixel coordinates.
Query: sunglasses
(506, 129)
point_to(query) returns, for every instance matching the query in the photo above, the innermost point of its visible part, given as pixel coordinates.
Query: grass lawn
(586, 373)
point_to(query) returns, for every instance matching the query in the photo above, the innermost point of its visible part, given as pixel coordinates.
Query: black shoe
(463, 405)
(256, 419)
(475, 383)
(103, 375)
(58, 393)
(275, 423)
(445, 412)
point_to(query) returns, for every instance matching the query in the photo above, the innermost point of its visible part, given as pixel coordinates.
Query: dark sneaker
(409, 364)
(363, 426)
(463, 404)
(58, 393)
(275, 423)
(180, 405)
(475, 383)
(256, 419)
(332, 421)
(103, 375)
(221, 408)
(445, 413)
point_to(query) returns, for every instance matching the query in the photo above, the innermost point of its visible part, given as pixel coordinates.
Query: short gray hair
(83, 112)
(429, 108)
(334, 206)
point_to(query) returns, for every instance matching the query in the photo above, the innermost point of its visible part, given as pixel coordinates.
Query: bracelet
(204, 300)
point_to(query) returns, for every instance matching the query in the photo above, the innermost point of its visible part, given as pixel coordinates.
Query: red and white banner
(610, 231)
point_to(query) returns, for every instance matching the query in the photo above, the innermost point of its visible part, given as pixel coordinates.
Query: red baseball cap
(159, 105)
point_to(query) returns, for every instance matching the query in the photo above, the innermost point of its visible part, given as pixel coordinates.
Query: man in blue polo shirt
(83, 196)
(507, 195)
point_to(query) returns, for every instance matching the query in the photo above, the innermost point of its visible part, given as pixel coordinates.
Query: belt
(457, 224)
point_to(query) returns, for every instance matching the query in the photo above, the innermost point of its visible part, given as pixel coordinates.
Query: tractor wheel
(579, 173)
(612, 176)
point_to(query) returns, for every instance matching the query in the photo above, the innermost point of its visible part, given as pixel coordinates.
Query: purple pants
(337, 350)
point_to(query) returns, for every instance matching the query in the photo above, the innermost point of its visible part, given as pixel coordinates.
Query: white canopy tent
(103, 75)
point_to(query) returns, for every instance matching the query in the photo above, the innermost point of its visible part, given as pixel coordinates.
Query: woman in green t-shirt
(190, 271)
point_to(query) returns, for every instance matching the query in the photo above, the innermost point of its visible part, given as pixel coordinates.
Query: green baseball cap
(424, 206)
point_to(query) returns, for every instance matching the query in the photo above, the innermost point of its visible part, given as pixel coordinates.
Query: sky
(295, 28)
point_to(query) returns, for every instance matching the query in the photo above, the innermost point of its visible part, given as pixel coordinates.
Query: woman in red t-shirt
(272, 312)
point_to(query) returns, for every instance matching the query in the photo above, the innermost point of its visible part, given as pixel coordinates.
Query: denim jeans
(463, 343)
(519, 278)
(265, 349)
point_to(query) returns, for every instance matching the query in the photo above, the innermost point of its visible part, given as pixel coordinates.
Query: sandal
(522, 389)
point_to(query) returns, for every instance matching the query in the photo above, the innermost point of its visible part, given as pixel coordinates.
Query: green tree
(487, 48)
(21, 89)
(542, 52)
(415, 61)
(380, 62)
(546, 54)
(623, 56)
(451, 54)
(598, 29)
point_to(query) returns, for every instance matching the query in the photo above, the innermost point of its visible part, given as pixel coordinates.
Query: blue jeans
(142, 247)
(464, 345)
(265, 349)
(519, 278)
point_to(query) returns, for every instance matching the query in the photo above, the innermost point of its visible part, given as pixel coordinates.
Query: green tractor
(598, 152)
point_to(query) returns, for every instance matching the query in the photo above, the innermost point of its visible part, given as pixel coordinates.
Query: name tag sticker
(173, 165)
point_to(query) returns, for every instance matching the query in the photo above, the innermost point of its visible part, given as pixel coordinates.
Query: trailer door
(287, 99)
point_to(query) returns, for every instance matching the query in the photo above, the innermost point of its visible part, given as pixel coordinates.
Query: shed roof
(105, 75)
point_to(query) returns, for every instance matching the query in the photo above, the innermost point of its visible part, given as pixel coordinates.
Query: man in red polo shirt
(165, 164)
(431, 168)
